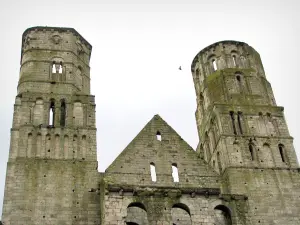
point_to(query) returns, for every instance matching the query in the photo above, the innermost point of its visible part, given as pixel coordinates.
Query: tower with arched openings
(244, 170)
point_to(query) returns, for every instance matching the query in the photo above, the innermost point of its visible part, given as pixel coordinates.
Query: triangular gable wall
(132, 166)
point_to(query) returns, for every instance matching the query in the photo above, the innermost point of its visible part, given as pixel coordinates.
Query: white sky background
(137, 49)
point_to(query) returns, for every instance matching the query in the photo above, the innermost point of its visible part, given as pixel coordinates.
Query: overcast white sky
(137, 49)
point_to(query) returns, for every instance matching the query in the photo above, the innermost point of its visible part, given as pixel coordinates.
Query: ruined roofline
(59, 29)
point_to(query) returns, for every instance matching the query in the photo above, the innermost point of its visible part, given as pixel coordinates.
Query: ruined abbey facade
(243, 172)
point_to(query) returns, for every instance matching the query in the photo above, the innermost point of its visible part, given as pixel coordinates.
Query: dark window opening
(238, 77)
(282, 153)
(158, 136)
(233, 123)
(63, 114)
(252, 153)
(239, 122)
(52, 113)
(219, 162)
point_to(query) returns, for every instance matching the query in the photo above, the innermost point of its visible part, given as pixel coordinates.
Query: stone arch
(62, 112)
(38, 112)
(222, 215)
(234, 58)
(181, 214)
(78, 77)
(29, 146)
(252, 151)
(83, 147)
(66, 146)
(266, 155)
(212, 63)
(78, 114)
(57, 146)
(39, 152)
(51, 113)
(136, 214)
(57, 69)
(207, 146)
(283, 153)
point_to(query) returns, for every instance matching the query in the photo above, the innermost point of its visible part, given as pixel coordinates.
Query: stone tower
(244, 172)
(52, 167)
(243, 133)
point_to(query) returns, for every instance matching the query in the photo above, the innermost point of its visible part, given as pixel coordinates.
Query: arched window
(175, 174)
(60, 70)
(233, 122)
(222, 215)
(240, 122)
(158, 136)
(136, 214)
(234, 60)
(207, 146)
(77, 114)
(282, 153)
(38, 112)
(214, 65)
(181, 214)
(29, 145)
(62, 113)
(153, 172)
(219, 162)
(52, 113)
(252, 151)
(53, 67)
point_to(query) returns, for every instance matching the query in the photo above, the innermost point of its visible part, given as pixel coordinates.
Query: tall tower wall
(243, 133)
(52, 164)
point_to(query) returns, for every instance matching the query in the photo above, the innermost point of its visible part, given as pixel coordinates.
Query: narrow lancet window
(153, 172)
(214, 63)
(63, 113)
(240, 122)
(53, 68)
(60, 70)
(282, 153)
(233, 122)
(234, 60)
(175, 172)
(252, 152)
(51, 113)
(158, 136)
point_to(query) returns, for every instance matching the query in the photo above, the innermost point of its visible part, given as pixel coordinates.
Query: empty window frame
(60, 70)
(234, 60)
(52, 113)
(175, 174)
(214, 65)
(53, 67)
(153, 172)
(158, 136)
(57, 67)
